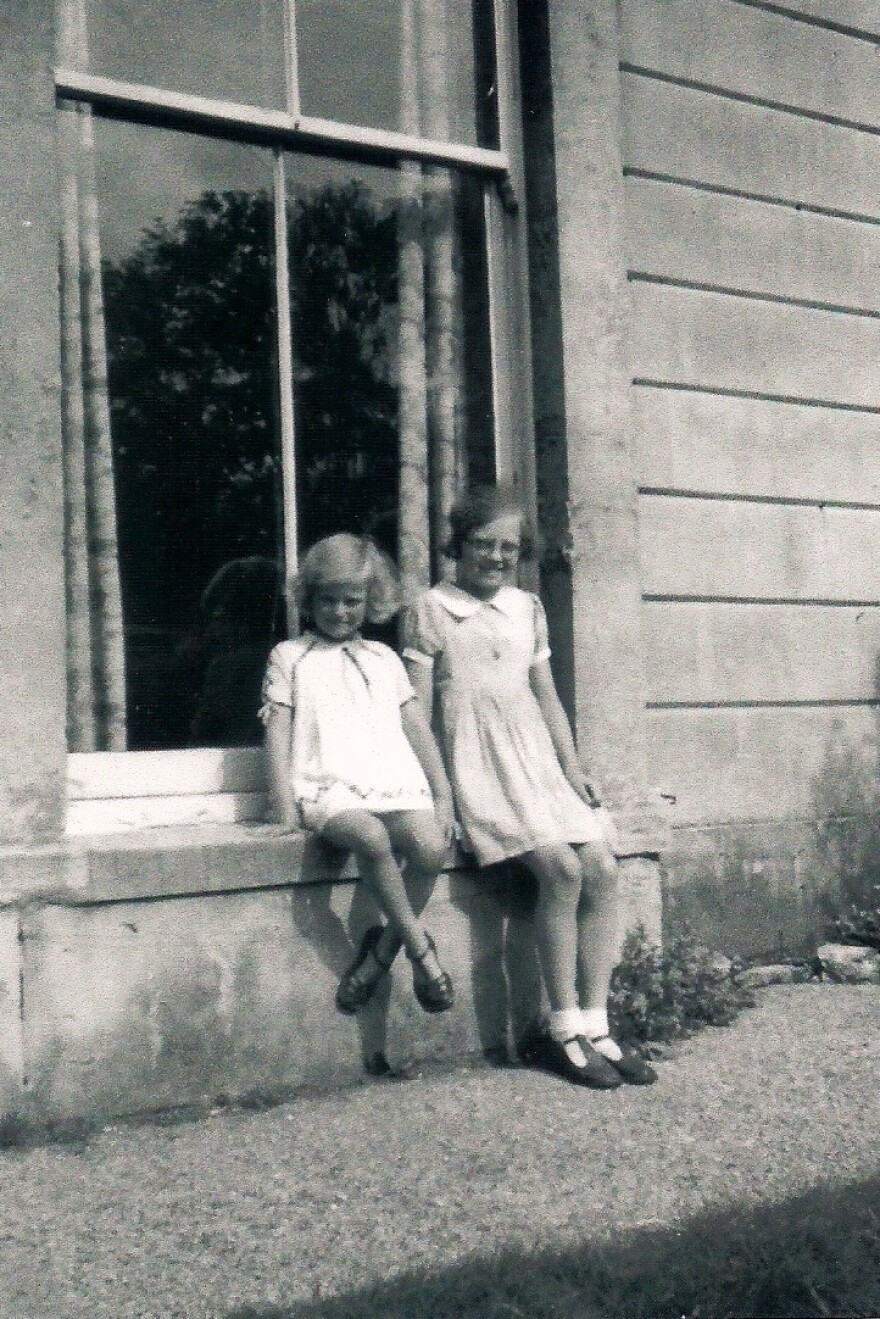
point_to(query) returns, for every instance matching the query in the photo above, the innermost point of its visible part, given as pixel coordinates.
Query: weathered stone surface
(32, 678)
(10, 1013)
(784, 973)
(757, 890)
(132, 1006)
(642, 896)
(585, 472)
(850, 964)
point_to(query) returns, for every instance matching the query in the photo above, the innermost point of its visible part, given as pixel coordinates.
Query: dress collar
(461, 604)
(352, 645)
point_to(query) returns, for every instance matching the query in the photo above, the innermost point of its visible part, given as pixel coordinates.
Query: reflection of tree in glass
(344, 275)
(190, 341)
(190, 319)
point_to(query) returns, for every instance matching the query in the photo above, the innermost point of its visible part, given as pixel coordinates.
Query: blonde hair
(347, 558)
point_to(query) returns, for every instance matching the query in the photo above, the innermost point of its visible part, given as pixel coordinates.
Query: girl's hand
(592, 795)
(583, 788)
(445, 814)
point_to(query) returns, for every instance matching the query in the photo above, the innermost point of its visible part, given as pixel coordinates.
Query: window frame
(122, 791)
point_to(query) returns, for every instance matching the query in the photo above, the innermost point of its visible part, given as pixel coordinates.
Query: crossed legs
(373, 840)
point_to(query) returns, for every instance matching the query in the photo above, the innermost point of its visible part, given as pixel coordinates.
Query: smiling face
(490, 556)
(338, 609)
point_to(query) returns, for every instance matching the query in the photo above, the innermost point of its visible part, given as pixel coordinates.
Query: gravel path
(240, 1212)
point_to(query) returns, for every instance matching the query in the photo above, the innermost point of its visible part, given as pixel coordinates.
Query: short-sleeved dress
(349, 750)
(511, 793)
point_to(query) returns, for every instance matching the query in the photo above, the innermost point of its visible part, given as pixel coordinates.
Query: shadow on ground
(814, 1255)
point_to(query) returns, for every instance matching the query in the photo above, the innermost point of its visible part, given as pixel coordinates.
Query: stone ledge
(188, 860)
(129, 1005)
(165, 862)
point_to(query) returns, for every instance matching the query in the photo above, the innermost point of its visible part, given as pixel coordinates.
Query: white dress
(511, 794)
(349, 750)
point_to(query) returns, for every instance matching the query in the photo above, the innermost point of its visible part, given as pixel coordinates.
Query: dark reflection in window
(424, 67)
(389, 310)
(226, 49)
(362, 241)
(186, 228)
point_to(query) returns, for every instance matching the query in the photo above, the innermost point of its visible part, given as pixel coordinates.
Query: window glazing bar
(497, 339)
(503, 55)
(285, 370)
(200, 111)
(291, 58)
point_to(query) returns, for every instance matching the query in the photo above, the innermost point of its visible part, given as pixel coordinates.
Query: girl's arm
(279, 728)
(427, 752)
(556, 719)
(422, 678)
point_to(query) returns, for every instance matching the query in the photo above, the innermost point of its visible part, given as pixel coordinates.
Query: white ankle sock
(562, 1027)
(594, 1024)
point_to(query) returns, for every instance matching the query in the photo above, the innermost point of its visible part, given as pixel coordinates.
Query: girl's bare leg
(560, 876)
(369, 840)
(599, 930)
(598, 923)
(415, 836)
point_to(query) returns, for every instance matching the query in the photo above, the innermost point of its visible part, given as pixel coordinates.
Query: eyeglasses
(508, 549)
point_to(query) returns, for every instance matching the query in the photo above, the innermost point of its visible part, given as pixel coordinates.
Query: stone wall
(151, 974)
(32, 678)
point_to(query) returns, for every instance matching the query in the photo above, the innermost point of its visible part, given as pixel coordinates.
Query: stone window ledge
(186, 860)
(165, 862)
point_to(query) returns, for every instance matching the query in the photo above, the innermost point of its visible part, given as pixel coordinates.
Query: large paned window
(286, 286)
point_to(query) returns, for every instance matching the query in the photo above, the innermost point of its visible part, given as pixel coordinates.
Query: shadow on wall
(814, 1255)
(764, 890)
(846, 807)
(503, 972)
(191, 1000)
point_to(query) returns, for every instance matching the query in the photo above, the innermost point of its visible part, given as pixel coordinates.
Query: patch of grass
(22, 1133)
(813, 1256)
(664, 994)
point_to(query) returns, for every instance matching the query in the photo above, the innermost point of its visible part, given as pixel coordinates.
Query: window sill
(175, 861)
(170, 862)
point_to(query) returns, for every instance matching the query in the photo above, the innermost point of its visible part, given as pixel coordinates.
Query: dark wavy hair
(482, 504)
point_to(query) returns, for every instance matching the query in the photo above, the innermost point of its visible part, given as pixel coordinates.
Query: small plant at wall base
(860, 924)
(664, 994)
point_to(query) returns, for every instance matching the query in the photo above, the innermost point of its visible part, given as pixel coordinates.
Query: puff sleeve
(277, 686)
(403, 688)
(422, 636)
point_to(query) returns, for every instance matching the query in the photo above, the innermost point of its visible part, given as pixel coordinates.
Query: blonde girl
(352, 757)
(479, 648)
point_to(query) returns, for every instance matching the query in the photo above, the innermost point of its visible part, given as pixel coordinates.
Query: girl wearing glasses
(479, 648)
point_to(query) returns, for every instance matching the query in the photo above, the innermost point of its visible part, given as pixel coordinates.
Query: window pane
(186, 233)
(423, 67)
(391, 342)
(228, 49)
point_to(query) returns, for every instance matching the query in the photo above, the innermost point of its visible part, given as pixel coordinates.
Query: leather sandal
(538, 1049)
(355, 990)
(632, 1066)
(435, 994)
